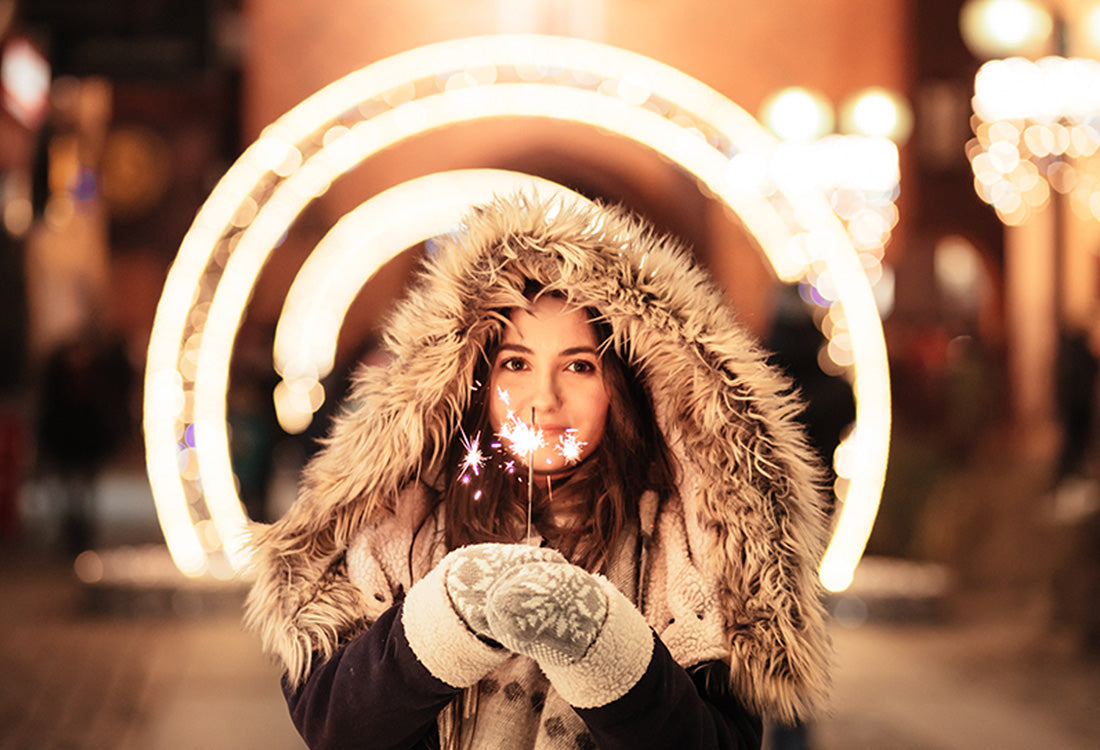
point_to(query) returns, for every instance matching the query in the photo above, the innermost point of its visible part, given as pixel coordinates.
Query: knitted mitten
(550, 611)
(472, 571)
(443, 614)
(589, 640)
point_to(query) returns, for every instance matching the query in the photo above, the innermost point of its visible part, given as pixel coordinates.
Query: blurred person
(572, 510)
(829, 406)
(969, 385)
(1076, 399)
(84, 418)
(250, 413)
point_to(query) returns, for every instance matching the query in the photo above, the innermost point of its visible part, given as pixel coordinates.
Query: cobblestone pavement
(161, 674)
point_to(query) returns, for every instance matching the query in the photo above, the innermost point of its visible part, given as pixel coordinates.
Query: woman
(574, 510)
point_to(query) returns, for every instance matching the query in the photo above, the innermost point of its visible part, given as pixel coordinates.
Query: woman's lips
(554, 428)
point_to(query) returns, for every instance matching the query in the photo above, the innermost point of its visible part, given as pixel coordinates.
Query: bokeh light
(798, 114)
(879, 112)
(1037, 129)
(997, 28)
(1091, 25)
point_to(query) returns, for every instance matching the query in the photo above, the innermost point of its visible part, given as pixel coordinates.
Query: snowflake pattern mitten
(472, 571)
(550, 611)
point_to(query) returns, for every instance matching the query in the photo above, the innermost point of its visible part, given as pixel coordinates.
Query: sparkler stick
(530, 478)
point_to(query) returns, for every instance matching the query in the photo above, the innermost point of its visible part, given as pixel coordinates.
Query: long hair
(490, 503)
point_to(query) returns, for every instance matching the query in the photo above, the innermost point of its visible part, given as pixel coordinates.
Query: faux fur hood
(749, 491)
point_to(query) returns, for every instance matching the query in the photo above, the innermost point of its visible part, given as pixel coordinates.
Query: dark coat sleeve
(371, 693)
(670, 707)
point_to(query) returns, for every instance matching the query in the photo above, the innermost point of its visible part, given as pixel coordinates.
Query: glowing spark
(570, 446)
(473, 459)
(503, 396)
(524, 438)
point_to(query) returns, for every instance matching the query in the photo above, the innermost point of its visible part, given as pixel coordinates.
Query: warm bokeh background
(985, 528)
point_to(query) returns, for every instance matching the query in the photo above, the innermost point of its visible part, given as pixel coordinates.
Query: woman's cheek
(498, 414)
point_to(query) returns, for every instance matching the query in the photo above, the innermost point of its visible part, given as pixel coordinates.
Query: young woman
(573, 511)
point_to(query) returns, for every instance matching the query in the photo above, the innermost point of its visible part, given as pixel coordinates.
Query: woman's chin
(554, 468)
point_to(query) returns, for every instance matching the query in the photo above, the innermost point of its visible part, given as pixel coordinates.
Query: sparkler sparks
(569, 445)
(524, 438)
(472, 460)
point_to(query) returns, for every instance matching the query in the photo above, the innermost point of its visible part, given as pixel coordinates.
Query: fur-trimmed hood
(750, 494)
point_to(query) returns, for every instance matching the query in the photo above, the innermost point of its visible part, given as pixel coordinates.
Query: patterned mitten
(443, 614)
(550, 611)
(589, 640)
(472, 571)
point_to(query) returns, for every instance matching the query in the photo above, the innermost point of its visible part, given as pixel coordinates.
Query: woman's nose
(547, 394)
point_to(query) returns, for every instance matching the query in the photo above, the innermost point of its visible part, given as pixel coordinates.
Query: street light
(999, 28)
(877, 111)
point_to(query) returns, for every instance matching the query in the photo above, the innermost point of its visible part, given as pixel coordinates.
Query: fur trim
(750, 493)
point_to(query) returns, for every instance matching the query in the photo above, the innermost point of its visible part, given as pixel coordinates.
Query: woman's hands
(471, 572)
(530, 600)
(589, 639)
(550, 611)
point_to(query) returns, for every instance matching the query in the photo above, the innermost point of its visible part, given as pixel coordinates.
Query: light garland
(298, 156)
(1037, 129)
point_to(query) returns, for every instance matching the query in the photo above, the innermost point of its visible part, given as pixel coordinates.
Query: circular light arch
(297, 157)
(357, 246)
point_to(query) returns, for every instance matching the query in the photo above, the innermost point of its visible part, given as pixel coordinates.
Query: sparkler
(531, 477)
(472, 460)
(569, 445)
(523, 440)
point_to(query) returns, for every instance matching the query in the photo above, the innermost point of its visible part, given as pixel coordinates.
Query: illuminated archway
(298, 157)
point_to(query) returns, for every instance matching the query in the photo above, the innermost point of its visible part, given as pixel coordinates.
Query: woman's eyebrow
(578, 350)
(569, 352)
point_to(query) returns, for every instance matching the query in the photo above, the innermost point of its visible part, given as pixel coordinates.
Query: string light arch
(298, 156)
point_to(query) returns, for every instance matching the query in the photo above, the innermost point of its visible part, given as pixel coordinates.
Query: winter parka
(747, 528)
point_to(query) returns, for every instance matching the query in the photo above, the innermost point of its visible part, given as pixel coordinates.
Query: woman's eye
(582, 367)
(513, 364)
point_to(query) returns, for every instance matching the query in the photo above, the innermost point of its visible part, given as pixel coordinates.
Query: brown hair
(631, 458)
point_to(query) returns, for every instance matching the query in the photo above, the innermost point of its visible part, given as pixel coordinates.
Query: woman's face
(548, 364)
